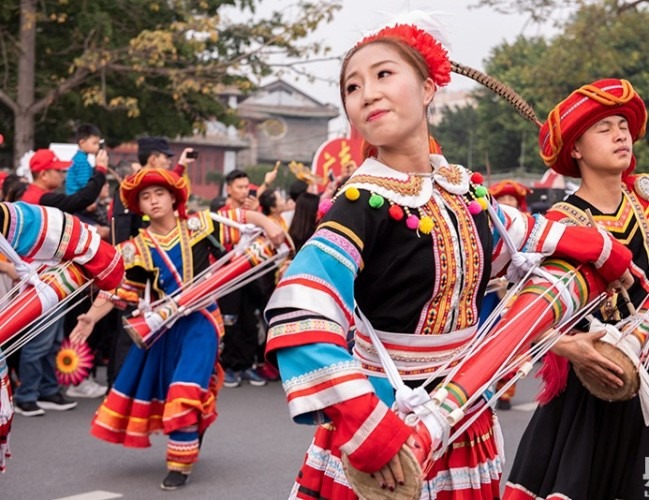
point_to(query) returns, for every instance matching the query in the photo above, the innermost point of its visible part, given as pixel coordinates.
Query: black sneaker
(56, 402)
(174, 480)
(29, 409)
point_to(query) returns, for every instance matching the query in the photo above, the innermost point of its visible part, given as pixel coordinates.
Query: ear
(575, 152)
(429, 90)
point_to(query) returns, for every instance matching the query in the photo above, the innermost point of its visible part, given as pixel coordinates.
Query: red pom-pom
(396, 212)
(477, 178)
(2, 139)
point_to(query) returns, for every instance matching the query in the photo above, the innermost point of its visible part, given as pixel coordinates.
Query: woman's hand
(83, 329)
(580, 351)
(391, 474)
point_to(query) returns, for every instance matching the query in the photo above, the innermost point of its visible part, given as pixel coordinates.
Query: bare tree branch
(628, 6)
(75, 80)
(8, 101)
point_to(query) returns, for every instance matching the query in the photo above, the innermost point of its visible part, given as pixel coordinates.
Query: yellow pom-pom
(353, 194)
(425, 225)
(483, 203)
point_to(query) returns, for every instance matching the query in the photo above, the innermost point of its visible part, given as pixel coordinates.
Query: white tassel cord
(523, 366)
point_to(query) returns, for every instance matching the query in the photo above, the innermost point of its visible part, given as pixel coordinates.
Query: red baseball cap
(45, 159)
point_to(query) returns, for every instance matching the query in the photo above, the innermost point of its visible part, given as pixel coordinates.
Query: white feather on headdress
(23, 166)
(426, 21)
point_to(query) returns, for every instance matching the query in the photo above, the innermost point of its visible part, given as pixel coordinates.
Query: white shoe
(88, 388)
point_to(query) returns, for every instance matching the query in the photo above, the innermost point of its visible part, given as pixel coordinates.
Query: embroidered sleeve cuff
(367, 431)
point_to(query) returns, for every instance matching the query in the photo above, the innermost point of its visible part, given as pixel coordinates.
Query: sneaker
(88, 388)
(232, 378)
(29, 409)
(269, 372)
(174, 480)
(253, 377)
(56, 402)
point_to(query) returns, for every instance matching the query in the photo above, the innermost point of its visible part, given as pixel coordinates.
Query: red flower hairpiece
(435, 55)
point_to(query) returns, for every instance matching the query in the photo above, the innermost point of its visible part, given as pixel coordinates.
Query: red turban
(513, 188)
(582, 109)
(132, 186)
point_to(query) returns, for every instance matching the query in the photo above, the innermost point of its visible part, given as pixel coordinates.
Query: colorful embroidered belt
(415, 356)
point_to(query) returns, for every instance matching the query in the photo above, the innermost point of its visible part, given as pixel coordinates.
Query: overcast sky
(472, 33)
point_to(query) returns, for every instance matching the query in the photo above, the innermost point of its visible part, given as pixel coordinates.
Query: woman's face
(385, 98)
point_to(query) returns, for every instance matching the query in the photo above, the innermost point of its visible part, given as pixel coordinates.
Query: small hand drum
(630, 377)
(368, 488)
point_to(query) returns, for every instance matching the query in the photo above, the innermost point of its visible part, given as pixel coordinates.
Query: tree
(456, 133)
(503, 137)
(542, 10)
(600, 41)
(136, 66)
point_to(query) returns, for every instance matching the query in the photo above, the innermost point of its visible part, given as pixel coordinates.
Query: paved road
(252, 452)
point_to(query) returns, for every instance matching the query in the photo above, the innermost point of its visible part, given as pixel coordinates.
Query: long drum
(539, 307)
(57, 283)
(147, 327)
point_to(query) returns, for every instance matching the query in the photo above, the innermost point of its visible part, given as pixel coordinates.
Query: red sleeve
(367, 431)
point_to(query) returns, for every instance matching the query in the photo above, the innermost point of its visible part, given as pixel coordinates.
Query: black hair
(86, 130)
(296, 189)
(15, 191)
(234, 175)
(8, 183)
(304, 220)
(217, 202)
(267, 200)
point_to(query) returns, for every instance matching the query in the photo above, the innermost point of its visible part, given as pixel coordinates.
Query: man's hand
(270, 177)
(83, 329)
(183, 160)
(101, 160)
(580, 351)
(251, 203)
(274, 232)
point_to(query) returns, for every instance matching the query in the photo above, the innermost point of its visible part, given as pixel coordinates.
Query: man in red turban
(578, 446)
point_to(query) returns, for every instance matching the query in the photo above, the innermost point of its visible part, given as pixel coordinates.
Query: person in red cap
(578, 446)
(49, 175)
(170, 387)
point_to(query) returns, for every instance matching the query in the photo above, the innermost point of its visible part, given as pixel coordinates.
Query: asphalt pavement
(252, 452)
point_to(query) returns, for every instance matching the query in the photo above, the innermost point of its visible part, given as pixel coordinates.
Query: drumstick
(623, 291)
(277, 164)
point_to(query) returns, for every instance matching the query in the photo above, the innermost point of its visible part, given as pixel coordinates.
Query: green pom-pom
(376, 201)
(481, 191)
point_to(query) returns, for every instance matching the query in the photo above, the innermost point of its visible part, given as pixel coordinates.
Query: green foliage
(602, 40)
(457, 135)
(145, 66)
(284, 178)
